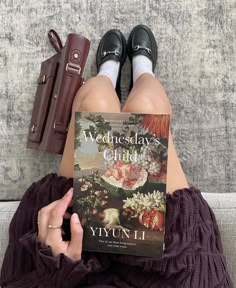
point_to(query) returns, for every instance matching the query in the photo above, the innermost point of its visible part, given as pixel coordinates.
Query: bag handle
(55, 40)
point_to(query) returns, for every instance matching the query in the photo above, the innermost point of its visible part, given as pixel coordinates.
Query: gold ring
(53, 227)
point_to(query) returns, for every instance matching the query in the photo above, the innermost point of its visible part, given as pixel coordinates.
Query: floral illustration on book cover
(120, 168)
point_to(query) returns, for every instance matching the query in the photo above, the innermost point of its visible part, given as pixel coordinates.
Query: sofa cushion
(223, 205)
(7, 210)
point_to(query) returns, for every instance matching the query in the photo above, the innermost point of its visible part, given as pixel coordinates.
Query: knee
(96, 85)
(91, 97)
(89, 87)
(98, 103)
(147, 105)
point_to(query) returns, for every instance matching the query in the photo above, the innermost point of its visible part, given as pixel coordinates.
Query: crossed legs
(147, 96)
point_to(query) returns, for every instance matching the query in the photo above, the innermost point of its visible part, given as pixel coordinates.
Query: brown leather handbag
(59, 80)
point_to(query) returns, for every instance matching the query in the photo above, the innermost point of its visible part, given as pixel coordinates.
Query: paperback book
(120, 169)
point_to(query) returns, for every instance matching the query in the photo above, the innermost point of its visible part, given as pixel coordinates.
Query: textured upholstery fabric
(224, 206)
(7, 210)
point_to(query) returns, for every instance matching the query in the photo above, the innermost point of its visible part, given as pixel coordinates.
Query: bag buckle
(32, 130)
(60, 128)
(42, 79)
(74, 68)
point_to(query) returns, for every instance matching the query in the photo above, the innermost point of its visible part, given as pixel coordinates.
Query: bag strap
(55, 40)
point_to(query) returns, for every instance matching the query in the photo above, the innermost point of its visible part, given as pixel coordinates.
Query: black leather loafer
(142, 42)
(112, 47)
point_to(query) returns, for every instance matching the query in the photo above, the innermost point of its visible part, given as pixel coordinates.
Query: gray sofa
(224, 206)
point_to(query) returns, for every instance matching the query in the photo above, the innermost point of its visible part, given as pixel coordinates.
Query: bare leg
(148, 96)
(97, 94)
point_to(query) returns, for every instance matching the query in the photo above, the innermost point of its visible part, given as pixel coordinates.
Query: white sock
(110, 68)
(141, 64)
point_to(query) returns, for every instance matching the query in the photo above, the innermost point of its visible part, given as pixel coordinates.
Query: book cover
(120, 168)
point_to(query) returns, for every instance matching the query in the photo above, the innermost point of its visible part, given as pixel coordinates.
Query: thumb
(75, 246)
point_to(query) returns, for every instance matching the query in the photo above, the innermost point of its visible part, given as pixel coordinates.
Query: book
(120, 169)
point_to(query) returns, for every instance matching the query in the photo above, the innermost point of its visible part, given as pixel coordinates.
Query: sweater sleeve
(26, 264)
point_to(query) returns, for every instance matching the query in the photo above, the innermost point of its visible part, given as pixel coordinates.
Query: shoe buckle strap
(115, 52)
(138, 47)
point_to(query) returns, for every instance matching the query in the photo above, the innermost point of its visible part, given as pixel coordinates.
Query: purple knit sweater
(193, 256)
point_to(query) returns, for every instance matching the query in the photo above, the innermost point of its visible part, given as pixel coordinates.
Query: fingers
(71, 203)
(67, 215)
(75, 246)
(56, 218)
(45, 214)
(43, 217)
(53, 214)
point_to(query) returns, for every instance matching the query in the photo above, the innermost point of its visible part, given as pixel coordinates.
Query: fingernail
(69, 192)
(75, 218)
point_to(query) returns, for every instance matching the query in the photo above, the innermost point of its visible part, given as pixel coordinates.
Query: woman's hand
(50, 219)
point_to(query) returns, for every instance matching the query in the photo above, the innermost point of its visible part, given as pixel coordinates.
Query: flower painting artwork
(120, 169)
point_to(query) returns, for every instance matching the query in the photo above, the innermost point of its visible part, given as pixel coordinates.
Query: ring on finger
(53, 226)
